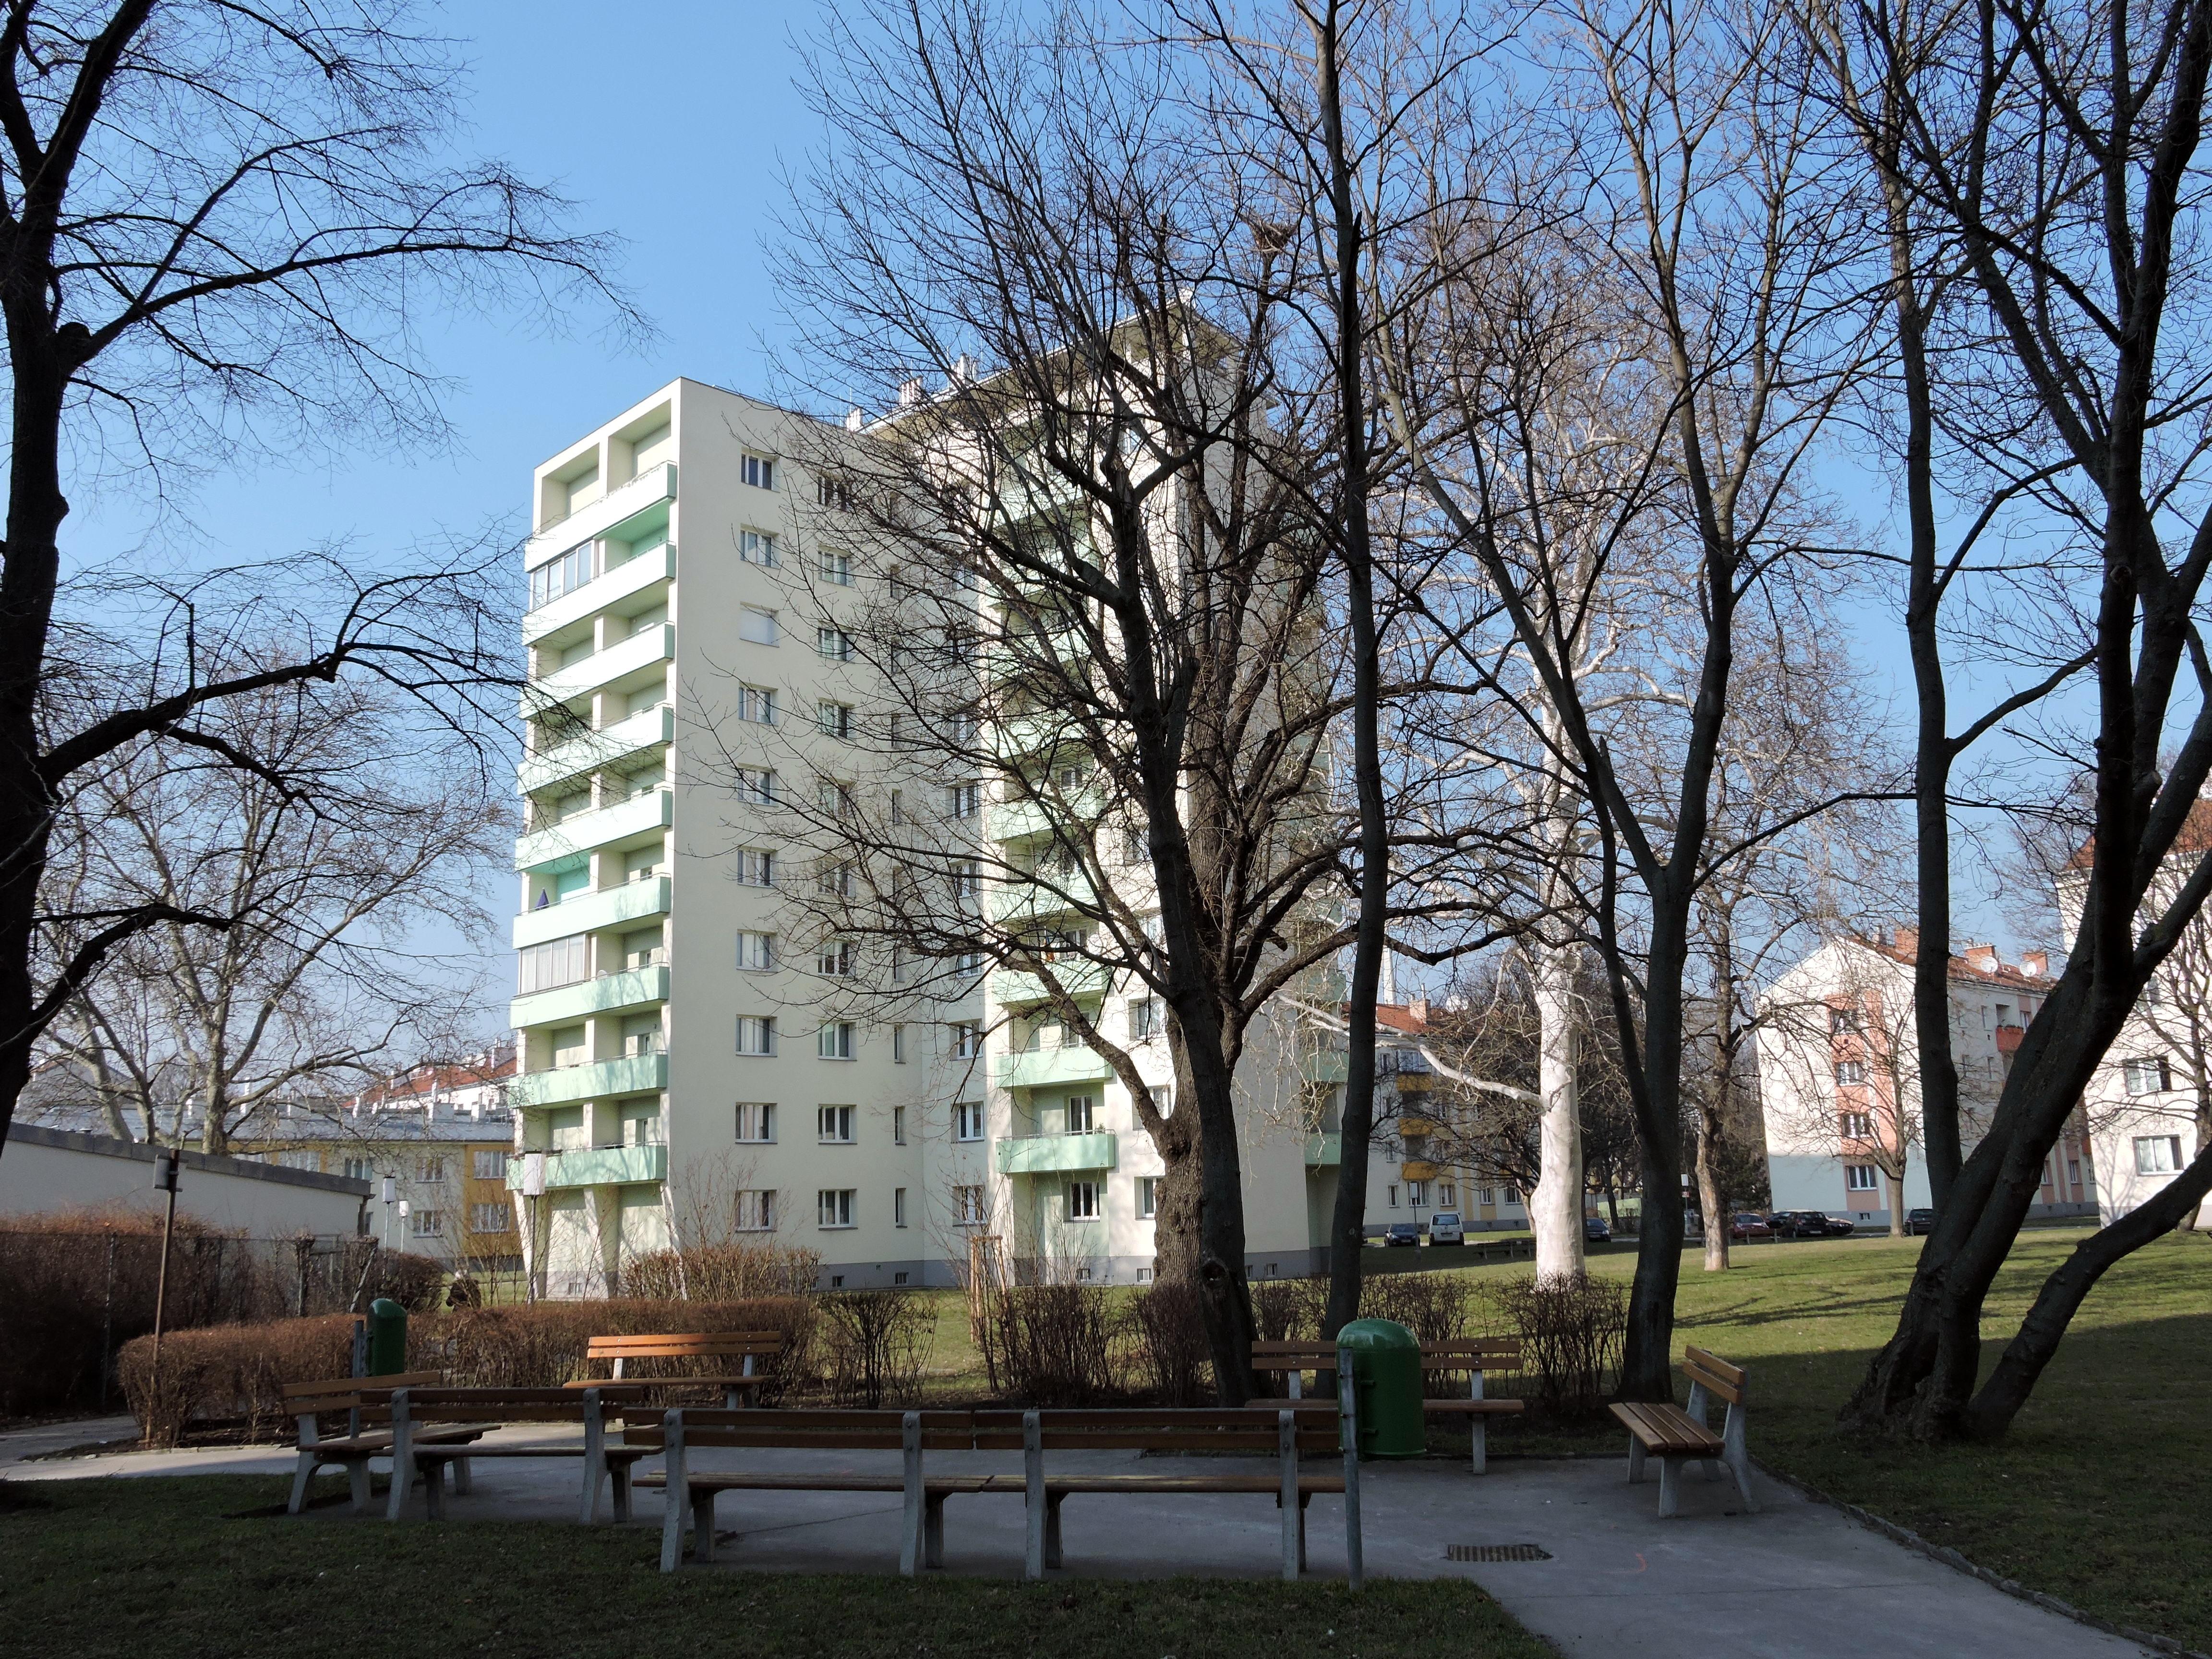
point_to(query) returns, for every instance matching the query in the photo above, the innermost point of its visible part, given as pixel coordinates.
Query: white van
(1444, 1227)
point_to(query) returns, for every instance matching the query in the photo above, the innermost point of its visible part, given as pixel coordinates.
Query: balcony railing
(593, 1166)
(629, 1075)
(1035, 1068)
(630, 988)
(1056, 1154)
(591, 912)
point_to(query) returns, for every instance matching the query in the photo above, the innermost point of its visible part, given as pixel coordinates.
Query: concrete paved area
(1797, 1581)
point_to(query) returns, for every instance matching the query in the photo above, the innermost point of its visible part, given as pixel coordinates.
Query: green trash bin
(1386, 1380)
(387, 1337)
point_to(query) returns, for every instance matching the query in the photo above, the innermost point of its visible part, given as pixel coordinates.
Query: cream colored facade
(674, 1069)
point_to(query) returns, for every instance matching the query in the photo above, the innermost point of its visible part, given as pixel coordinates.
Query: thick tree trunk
(1895, 1183)
(1223, 1288)
(1555, 1208)
(1176, 1207)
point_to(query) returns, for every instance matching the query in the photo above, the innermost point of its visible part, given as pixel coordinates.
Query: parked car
(1809, 1224)
(1748, 1226)
(1401, 1232)
(1595, 1231)
(1444, 1227)
(1920, 1221)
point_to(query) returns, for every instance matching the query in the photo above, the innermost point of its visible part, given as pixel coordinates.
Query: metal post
(165, 1181)
(1348, 1418)
(107, 1322)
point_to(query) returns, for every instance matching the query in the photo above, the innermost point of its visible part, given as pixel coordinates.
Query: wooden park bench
(745, 1348)
(1205, 1432)
(1473, 1355)
(367, 1401)
(1675, 1435)
(681, 1432)
(424, 1420)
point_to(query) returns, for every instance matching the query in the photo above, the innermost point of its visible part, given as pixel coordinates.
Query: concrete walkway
(1797, 1581)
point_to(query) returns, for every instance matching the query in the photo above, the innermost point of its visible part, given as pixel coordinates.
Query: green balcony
(634, 988)
(1332, 1067)
(596, 1166)
(654, 648)
(633, 1074)
(1324, 1151)
(1079, 979)
(631, 576)
(1025, 820)
(1056, 1154)
(655, 810)
(589, 913)
(1037, 1068)
(1048, 896)
(594, 750)
(643, 498)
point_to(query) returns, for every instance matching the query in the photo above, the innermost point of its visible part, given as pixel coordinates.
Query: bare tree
(219, 225)
(308, 990)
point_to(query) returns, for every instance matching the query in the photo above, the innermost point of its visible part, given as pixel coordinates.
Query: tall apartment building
(687, 1061)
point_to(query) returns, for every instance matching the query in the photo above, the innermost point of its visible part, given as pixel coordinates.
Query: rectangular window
(898, 1125)
(2146, 1075)
(430, 1170)
(428, 1224)
(834, 644)
(835, 799)
(835, 720)
(1849, 1071)
(1417, 1194)
(1861, 1178)
(835, 959)
(967, 1039)
(755, 626)
(758, 470)
(833, 1125)
(756, 1121)
(756, 785)
(757, 1212)
(898, 1207)
(756, 951)
(968, 1120)
(1391, 1195)
(359, 1168)
(967, 879)
(490, 1218)
(1842, 1019)
(835, 1041)
(1485, 1195)
(756, 867)
(2158, 1154)
(1144, 1022)
(1080, 1110)
(1858, 1126)
(968, 1201)
(756, 703)
(964, 800)
(757, 1036)
(898, 1045)
(835, 880)
(833, 491)
(1083, 1200)
(488, 1165)
(1148, 1197)
(834, 1205)
(757, 547)
(554, 964)
(563, 574)
(837, 568)
(1448, 1195)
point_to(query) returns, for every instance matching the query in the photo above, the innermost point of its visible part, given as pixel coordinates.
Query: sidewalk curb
(1951, 1558)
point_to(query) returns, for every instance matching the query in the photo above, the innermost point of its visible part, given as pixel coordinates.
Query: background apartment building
(693, 1058)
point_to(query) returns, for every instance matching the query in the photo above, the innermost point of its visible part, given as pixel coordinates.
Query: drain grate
(1495, 1553)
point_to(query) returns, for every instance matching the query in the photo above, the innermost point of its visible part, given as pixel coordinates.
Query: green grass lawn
(98, 1569)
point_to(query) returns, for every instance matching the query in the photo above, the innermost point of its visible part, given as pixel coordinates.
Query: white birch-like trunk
(1555, 1208)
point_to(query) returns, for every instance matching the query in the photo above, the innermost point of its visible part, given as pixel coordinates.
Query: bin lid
(1372, 1333)
(384, 1307)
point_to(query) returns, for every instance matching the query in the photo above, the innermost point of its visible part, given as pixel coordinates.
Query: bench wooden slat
(1700, 1367)
(1496, 1405)
(1667, 1430)
(1732, 1375)
(684, 1345)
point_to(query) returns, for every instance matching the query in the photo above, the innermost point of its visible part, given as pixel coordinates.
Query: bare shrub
(1169, 1326)
(1288, 1309)
(1571, 1332)
(1049, 1345)
(737, 1270)
(416, 1283)
(229, 1371)
(1433, 1306)
(879, 1341)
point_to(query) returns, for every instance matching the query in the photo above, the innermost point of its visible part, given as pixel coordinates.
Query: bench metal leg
(1635, 1460)
(1304, 1498)
(1033, 1502)
(434, 1489)
(672, 1508)
(620, 1473)
(403, 1459)
(464, 1475)
(363, 1490)
(933, 1529)
(595, 1456)
(702, 1524)
(1286, 1499)
(911, 1520)
(1738, 1458)
(1480, 1455)
(1670, 1486)
(302, 1476)
(1052, 1527)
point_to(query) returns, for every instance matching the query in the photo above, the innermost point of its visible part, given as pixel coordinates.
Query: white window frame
(975, 1210)
(833, 644)
(759, 547)
(2147, 1074)
(971, 1122)
(836, 568)
(2147, 1151)
(1861, 1178)
(898, 1207)
(756, 953)
(757, 472)
(757, 1116)
(756, 704)
(1082, 1202)
(756, 1210)
(758, 625)
(1081, 1109)
(834, 1208)
(836, 1040)
(834, 1126)
(834, 720)
(760, 1029)
(1148, 1197)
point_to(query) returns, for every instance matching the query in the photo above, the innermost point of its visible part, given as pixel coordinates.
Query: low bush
(233, 1372)
(1433, 1306)
(1171, 1345)
(1049, 1345)
(877, 1342)
(739, 1270)
(1571, 1332)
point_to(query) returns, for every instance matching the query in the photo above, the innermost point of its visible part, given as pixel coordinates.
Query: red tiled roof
(2195, 837)
(1906, 952)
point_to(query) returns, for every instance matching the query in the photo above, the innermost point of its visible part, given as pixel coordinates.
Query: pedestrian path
(1797, 1581)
